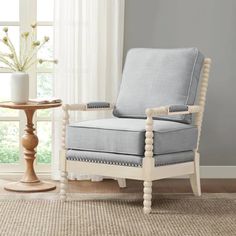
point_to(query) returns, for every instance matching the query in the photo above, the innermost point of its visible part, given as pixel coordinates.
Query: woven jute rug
(213, 214)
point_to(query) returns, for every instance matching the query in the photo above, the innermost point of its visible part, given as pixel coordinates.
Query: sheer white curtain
(89, 48)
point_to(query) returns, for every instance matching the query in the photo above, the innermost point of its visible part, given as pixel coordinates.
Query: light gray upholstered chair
(153, 134)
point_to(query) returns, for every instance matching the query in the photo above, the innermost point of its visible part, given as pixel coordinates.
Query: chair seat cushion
(127, 136)
(128, 160)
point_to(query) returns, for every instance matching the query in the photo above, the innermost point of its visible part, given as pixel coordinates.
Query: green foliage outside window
(9, 146)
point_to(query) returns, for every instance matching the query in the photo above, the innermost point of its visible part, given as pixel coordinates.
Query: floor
(133, 186)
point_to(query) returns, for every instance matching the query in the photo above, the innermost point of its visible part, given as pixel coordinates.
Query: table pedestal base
(29, 182)
(39, 186)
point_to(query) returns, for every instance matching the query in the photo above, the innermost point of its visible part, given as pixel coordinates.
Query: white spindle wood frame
(148, 172)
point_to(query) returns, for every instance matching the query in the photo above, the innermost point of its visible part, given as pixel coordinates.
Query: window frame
(26, 17)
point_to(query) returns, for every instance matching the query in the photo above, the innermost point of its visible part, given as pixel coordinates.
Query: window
(18, 15)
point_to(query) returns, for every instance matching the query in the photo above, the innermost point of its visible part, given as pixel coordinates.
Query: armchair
(152, 136)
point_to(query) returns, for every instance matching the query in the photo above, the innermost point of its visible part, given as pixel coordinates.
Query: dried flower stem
(13, 50)
(6, 68)
(28, 51)
(33, 54)
(27, 66)
(5, 61)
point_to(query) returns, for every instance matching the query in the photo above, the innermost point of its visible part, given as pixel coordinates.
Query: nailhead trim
(116, 163)
(103, 162)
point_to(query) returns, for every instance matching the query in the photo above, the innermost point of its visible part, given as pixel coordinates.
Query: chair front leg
(63, 186)
(147, 196)
(148, 164)
(63, 179)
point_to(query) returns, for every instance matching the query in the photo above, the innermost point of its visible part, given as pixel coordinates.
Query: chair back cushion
(158, 77)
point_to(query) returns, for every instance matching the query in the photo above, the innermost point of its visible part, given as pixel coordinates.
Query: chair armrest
(173, 110)
(98, 105)
(91, 106)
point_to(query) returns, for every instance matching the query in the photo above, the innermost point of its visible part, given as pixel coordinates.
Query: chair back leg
(195, 177)
(121, 182)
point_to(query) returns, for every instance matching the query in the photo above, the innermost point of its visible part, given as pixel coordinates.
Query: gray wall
(209, 25)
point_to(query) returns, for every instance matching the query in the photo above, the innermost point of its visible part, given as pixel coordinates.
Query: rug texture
(175, 215)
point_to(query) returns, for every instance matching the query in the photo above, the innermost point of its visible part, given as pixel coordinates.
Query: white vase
(19, 87)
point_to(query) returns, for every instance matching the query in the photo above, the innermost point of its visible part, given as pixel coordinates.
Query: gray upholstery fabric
(126, 136)
(158, 77)
(128, 160)
(178, 108)
(98, 105)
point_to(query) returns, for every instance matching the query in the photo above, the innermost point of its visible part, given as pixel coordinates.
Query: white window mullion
(44, 70)
(28, 15)
(45, 23)
(11, 118)
(9, 23)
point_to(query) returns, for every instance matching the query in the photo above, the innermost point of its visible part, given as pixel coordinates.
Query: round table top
(29, 105)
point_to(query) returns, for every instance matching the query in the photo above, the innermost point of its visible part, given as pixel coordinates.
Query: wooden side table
(29, 182)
